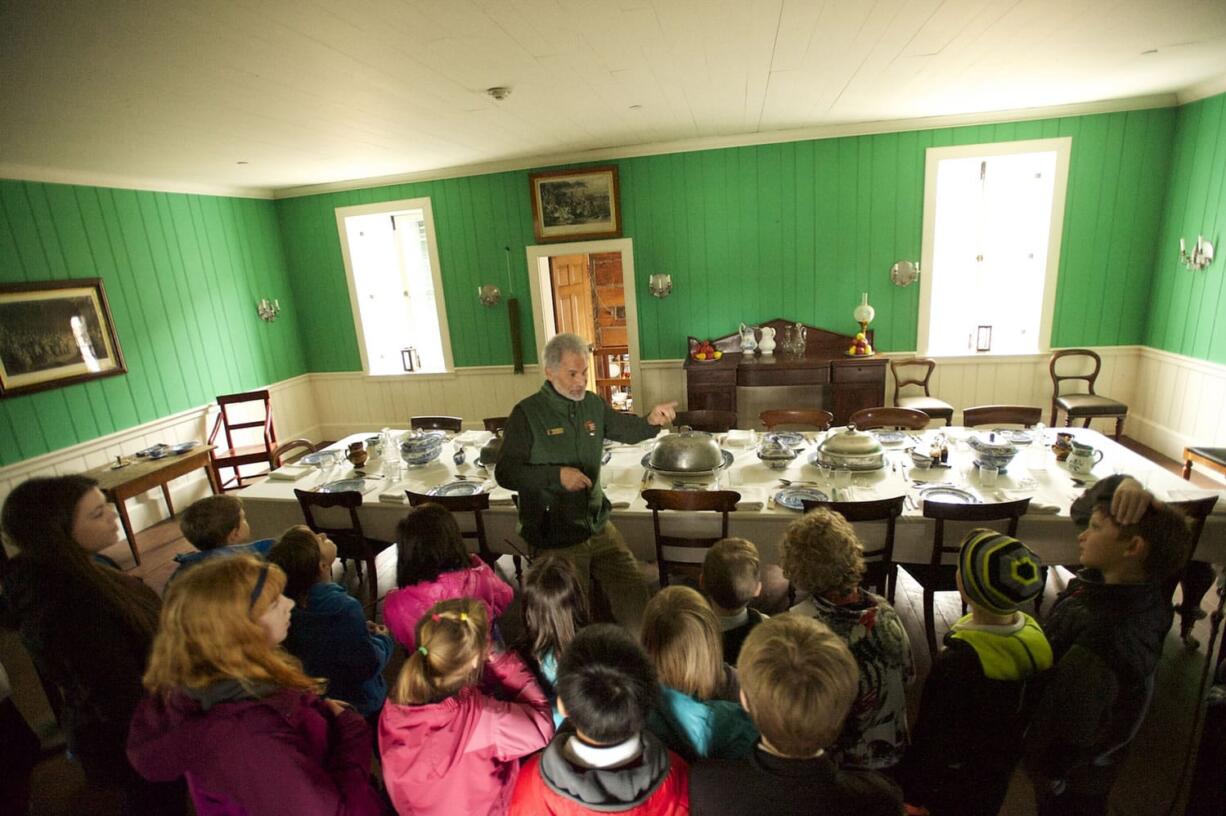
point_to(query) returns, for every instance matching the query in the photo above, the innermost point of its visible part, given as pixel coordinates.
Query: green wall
(1186, 315)
(792, 230)
(182, 274)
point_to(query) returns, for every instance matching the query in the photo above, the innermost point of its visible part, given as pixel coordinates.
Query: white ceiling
(175, 95)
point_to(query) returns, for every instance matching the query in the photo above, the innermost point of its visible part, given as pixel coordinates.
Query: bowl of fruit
(705, 352)
(860, 347)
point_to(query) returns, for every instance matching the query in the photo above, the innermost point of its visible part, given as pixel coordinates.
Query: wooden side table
(1212, 458)
(121, 484)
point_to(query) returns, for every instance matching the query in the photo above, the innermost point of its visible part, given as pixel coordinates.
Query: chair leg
(891, 581)
(1119, 428)
(1196, 580)
(519, 569)
(1038, 599)
(1086, 424)
(930, 626)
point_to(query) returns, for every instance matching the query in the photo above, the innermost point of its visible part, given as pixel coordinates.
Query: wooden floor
(1149, 784)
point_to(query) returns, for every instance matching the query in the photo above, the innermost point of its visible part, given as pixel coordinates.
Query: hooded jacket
(259, 751)
(545, 433)
(1106, 640)
(655, 783)
(404, 607)
(328, 634)
(702, 729)
(461, 754)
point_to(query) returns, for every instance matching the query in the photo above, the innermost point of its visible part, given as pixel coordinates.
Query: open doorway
(588, 288)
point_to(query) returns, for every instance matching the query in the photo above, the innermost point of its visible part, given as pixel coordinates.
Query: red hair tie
(435, 617)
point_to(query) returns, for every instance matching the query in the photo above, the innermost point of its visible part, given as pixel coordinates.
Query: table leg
(170, 508)
(1187, 470)
(121, 506)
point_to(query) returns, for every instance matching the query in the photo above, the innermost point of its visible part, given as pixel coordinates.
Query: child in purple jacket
(432, 565)
(235, 714)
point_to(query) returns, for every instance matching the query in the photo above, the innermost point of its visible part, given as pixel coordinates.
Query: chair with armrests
(684, 554)
(453, 424)
(709, 421)
(352, 544)
(1083, 406)
(918, 371)
(291, 451)
(1025, 415)
(909, 419)
(937, 575)
(476, 504)
(495, 424)
(234, 455)
(818, 420)
(1195, 577)
(880, 571)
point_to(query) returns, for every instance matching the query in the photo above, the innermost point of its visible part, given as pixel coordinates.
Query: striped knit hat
(999, 573)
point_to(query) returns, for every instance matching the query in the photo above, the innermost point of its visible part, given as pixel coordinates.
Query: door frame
(542, 296)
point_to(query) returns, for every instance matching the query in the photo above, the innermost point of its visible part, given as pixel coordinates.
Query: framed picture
(54, 333)
(574, 205)
(983, 339)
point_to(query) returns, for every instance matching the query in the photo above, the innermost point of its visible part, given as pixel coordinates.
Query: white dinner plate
(460, 488)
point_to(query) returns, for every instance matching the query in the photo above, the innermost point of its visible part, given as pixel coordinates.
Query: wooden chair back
(454, 424)
(1058, 379)
(233, 454)
(818, 419)
(685, 553)
(889, 417)
(495, 424)
(291, 451)
(709, 421)
(880, 571)
(351, 542)
(1194, 577)
(476, 504)
(912, 376)
(1024, 415)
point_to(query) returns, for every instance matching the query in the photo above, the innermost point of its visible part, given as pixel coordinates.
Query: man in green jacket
(551, 454)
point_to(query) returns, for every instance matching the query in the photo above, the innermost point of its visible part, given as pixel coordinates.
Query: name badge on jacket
(555, 431)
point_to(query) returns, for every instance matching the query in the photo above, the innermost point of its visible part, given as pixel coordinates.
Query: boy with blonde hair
(217, 526)
(968, 735)
(798, 680)
(731, 578)
(823, 557)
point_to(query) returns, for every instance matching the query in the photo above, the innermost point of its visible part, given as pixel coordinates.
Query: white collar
(967, 624)
(735, 620)
(608, 756)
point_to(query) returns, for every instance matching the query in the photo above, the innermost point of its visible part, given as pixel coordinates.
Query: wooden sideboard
(851, 383)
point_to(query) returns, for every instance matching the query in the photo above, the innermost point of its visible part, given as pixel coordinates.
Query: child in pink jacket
(446, 746)
(432, 565)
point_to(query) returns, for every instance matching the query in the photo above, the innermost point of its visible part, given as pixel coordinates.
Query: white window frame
(391, 208)
(1062, 147)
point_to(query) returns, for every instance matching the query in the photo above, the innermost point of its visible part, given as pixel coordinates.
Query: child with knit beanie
(968, 735)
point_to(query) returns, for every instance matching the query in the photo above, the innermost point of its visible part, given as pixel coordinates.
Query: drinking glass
(987, 475)
(841, 477)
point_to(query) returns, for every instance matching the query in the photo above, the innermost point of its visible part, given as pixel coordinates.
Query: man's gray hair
(562, 344)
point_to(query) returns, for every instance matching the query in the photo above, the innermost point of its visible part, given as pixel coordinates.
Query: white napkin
(1192, 495)
(290, 473)
(1038, 507)
(738, 438)
(620, 496)
(500, 496)
(752, 498)
(472, 437)
(395, 494)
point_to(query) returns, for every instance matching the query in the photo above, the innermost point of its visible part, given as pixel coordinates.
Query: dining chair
(453, 424)
(291, 451)
(937, 575)
(1083, 406)
(880, 571)
(818, 419)
(495, 425)
(686, 553)
(476, 504)
(910, 419)
(709, 421)
(1195, 577)
(930, 405)
(352, 544)
(255, 404)
(1025, 415)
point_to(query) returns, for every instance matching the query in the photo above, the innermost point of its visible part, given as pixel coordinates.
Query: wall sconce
(1202, 254)
(268, 310)
(489, 294)
(661, 286)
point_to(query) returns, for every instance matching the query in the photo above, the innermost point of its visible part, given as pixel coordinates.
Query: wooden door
(573, 309)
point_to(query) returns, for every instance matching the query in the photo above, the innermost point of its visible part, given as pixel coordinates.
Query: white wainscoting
(1174, 401)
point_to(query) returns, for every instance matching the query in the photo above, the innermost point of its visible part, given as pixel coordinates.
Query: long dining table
(271, 505)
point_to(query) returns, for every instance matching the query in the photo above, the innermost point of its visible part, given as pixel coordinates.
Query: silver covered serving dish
(687, 452)
(850, 449)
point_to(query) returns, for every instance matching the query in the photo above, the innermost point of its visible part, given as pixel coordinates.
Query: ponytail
(452, 640)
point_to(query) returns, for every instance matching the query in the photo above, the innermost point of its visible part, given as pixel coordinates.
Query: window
(993, 216)
(395, 287)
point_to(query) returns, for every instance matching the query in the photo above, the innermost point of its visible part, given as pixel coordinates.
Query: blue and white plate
(313, 458)
(1017, 436)
(890, 437)
(462, 488)
(342, 486)
(183, 447)
(948, 494)
(793, 498)
(793, 439)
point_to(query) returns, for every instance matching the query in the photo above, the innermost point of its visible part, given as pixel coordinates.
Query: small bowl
(921, 460)
(776, 456)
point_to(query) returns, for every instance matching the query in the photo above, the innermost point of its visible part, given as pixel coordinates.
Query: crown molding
(55, 175)
(1202, 90)
(1162, 100)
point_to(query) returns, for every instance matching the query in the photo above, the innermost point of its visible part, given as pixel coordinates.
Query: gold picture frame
(576, 205)
(55, 333)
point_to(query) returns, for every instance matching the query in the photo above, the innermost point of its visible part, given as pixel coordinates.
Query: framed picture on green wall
(54, 333)
(574, 205)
